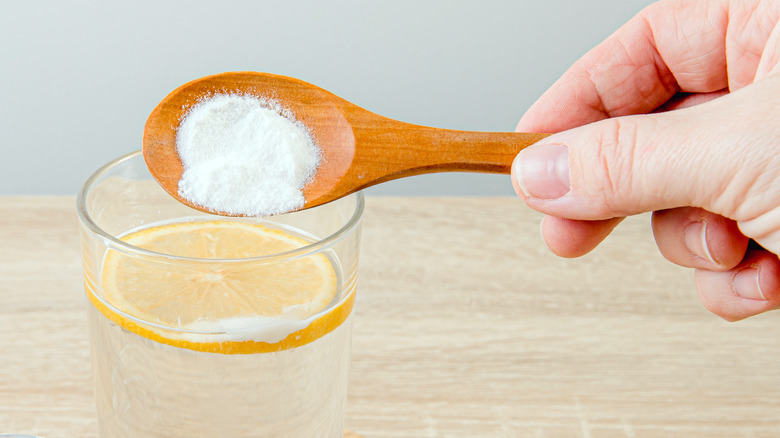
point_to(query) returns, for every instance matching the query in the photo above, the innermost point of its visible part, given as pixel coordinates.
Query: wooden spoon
(359, 148)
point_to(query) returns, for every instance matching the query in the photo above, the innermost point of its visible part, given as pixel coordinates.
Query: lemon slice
(247, 306)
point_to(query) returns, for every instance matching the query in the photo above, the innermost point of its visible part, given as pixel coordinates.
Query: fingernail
(542, 171)
(746, 284)
(695, 236)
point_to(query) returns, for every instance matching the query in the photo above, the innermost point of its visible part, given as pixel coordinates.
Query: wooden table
(466, 326)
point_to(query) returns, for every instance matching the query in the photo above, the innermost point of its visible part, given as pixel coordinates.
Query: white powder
(255, 328)
(241, 156)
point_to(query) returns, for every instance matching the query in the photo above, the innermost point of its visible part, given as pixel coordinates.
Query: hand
(681, 115)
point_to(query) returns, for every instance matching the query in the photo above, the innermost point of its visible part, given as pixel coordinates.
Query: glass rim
(114, 242)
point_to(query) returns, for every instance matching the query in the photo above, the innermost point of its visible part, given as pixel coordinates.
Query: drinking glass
(154, 377)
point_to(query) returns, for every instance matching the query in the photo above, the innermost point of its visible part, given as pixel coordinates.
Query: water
(148, 389)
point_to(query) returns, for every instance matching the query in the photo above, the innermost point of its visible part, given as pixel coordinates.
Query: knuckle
(614, 165)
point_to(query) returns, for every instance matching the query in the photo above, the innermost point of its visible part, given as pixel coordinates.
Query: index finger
(669, 47)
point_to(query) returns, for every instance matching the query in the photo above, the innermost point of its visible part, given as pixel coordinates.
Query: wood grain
(359, 148)
(465, 326)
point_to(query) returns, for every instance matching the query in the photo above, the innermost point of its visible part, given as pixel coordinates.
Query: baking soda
(242, 155)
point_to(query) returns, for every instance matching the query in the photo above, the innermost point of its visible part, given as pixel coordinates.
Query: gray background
(78, 79)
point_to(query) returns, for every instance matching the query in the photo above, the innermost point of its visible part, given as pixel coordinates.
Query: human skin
(676, 113)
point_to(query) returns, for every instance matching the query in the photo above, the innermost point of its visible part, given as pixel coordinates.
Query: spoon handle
(384, 149)
(443, 150)
(393, 149)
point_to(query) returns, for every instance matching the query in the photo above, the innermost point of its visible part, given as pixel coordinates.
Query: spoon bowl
(359, 148)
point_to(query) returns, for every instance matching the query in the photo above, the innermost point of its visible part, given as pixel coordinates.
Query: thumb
(720, 155)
